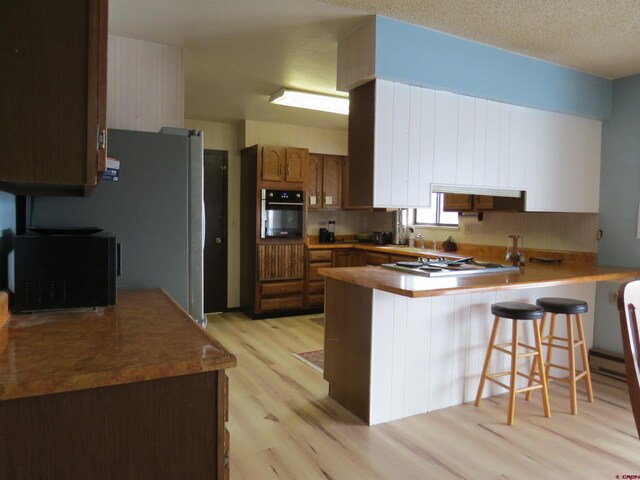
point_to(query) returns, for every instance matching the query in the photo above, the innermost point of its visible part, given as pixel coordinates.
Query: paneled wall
(145, 85)
(224, 136)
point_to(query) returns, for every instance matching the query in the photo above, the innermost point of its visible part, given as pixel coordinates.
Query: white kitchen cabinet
(400, 144)
(403, 160)
(517, 147)
(504, 130)
(465, 150)
(446, 137)
(479, 142)
(404, 138)
(492, 159)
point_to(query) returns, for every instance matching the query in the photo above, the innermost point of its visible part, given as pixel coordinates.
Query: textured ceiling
(601, 37)
(238, 52)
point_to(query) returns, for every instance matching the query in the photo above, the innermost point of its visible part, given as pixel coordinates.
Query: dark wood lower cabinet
(172, 428)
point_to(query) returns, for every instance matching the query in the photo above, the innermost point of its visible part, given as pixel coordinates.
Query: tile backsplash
(349, 222)
(574, 232)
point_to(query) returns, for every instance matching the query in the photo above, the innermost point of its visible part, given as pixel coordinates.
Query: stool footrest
(547, 343)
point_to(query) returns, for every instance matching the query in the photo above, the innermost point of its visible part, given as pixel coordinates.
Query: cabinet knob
(218, 241)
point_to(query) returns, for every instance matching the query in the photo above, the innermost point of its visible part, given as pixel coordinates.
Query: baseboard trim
(607, 363)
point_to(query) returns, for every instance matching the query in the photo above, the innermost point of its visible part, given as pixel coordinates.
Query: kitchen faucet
(422, 240)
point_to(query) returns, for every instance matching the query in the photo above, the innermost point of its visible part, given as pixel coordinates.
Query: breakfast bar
(398, 344)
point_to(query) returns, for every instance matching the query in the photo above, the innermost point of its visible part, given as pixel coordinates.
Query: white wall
(317, 140)
(145, 85)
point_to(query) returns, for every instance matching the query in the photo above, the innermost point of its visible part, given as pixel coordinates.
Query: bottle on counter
(412, 238)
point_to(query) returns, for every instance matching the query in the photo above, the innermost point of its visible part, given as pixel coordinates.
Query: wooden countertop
(146, 336)
(533, 275)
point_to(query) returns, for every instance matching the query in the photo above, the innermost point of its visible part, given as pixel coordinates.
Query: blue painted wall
(619, 201)
(7, 230)
(418, 56)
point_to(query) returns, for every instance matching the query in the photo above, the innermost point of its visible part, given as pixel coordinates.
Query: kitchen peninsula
(137, 390)
(399, 344)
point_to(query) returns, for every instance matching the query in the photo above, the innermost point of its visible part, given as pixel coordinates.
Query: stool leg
(487, 359)
(550, 337)
(543, 376)
(534, 363)
(572, 365)
(585, 357)
(514, 370)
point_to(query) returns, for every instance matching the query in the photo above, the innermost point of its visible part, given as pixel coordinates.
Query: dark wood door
(215, 244)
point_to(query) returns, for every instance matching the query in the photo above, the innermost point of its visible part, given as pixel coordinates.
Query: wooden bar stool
(570, 308)
(517, 312)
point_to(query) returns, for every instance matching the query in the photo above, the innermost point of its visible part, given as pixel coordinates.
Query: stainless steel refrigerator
(154, 209)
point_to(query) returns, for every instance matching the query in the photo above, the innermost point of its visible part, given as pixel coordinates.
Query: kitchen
(541, 232)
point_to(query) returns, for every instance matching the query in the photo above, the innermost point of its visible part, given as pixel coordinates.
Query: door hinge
(102, 138)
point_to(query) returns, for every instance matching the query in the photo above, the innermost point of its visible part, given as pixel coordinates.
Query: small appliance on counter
(64, 268)
(323, 235)
(331, 234)
(399, 227)
(380, 238)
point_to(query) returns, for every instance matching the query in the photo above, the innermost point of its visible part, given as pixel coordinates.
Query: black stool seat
(562, 305)
(517, 310)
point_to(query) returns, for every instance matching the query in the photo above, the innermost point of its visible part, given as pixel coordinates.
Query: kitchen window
(435, 216)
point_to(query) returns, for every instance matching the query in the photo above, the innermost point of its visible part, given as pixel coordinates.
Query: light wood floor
(284, 426)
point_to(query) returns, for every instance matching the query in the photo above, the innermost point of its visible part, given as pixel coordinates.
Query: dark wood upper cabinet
(324, 182)
(53, 95)
(284, 164)
(457, 202)
(359, 174)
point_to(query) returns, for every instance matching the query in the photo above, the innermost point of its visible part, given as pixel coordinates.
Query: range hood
(470, 190)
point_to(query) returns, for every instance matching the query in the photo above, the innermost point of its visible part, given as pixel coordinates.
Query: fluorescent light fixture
(312, 101)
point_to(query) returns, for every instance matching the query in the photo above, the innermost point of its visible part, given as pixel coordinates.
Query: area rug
(315, 359)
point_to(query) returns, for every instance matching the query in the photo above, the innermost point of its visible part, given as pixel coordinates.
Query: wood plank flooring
(284, 426)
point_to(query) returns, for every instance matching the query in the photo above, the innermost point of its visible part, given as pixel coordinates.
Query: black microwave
(64, 270)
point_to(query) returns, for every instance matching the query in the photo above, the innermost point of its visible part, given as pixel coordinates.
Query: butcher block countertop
(533, 275)
(146, 336)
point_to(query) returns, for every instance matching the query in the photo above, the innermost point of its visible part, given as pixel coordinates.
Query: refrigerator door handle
(119, 259)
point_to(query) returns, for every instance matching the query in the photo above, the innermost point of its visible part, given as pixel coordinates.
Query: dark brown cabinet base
(172, 428)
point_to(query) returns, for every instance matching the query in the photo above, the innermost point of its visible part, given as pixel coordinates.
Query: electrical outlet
(468, 228)
(613, 296)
